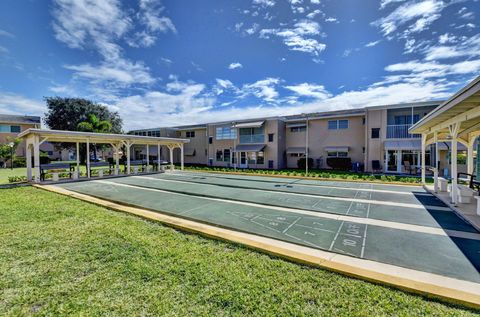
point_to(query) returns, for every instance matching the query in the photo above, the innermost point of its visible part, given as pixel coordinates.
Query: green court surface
(307, 214)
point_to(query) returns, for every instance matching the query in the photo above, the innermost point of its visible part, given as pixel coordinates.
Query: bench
(465, 194)
(55, 169)
(100, 167)
(135, 164)
(162, 164)
(443, 184)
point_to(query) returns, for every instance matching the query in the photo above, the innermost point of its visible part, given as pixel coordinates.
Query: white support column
(424, 146)
(181, 156)
(170, 148)
(306, 148)
(128, 145)
(77, 154)
(36, 158)
(88, 158)
(471, 144)
(117, 159)
(398, 159)
(454, 134)
(29, 161)
(436, 170)
(158, 158)
(148, 157)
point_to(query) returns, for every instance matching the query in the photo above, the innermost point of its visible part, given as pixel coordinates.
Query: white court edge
(368, 221)
(364, 201)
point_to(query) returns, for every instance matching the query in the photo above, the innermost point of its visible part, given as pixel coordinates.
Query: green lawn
(62, 256)
(5, 173)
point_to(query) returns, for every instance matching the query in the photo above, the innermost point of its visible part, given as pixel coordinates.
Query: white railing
(400, 131)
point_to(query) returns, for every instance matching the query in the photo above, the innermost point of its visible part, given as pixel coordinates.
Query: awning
(336, 148)
(296, 125)
(442, 146)
(256, 124)
(416, 145)
(189, 152)
(250, 147)
(300, 150)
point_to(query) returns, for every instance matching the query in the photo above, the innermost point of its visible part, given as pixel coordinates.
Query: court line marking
(365, 201)
(286, 229)
(319, 214)
(336, 235)
(446, 288)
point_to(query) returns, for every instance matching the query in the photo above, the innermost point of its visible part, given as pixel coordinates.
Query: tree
(94, 125)
(6, 150)
(78, 114)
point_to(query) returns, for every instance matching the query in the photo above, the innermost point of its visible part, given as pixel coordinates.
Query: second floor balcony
(400, 131)
(252, 138)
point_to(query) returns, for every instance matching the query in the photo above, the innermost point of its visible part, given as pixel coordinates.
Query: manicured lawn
(62, 256)
(5, 173)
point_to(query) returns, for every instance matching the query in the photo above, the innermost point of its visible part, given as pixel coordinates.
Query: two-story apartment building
(12, 125)
(367, 135)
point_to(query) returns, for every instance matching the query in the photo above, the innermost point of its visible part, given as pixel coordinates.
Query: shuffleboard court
(438, 253)
(411, 214)
(392, 196)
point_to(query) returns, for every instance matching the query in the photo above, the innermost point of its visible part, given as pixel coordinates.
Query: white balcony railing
(400, 131)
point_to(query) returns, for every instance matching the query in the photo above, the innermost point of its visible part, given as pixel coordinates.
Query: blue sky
(170, 62)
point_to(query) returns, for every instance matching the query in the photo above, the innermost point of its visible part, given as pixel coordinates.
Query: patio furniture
(100, 167)
(409, 168)
(55, 169)
(136, 164)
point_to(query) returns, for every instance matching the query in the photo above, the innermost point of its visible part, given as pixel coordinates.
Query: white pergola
(456, 120)
(35, 137)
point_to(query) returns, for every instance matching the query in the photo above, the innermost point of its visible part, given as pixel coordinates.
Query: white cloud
(11, 103)
(447, 38)
(330, 19)
(235, 65)
(310, 90)
(264, 3)
(299, 37)
(314, 13)
(6, 34)
(469, 47)
(384, 3)
(372, 44)
(264, 89)
(315, 1)
(425, 12)
(122, 73)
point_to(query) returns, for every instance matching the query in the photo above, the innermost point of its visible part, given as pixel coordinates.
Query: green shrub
(17, 179)
(340, 163)
(301, 163)
(19, 162)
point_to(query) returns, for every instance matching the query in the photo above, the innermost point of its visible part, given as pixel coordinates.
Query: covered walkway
(35, 137)
(457, 121)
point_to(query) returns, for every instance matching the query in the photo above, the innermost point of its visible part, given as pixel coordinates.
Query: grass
(62, 256)
(5, 173)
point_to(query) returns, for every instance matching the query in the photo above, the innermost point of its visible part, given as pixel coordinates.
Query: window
(219, 156)
(337, 124)
(270, 164)
(363, 121)
(337, 154)
(149, 133)
(226, 133)
(260, 158)
(375, 133)
(226, 155)
(157, 133)
(406, 119)
(270, 137)
(298, 129)
(296, 154)
(190, 134)
(210, 140)
(15, 129)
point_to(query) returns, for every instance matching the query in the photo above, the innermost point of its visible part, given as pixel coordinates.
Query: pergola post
(36, 158)
(181, 156)
(454, 134)
(424, 145)
(88, 158)
(471, 144)
(148, 157)
(436, 170)
(170, 148)
(29, 161)
(77, 154)
(128, 145)
(117, 159)
(158, 157)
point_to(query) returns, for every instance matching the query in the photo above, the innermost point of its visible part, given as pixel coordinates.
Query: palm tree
(93, 124)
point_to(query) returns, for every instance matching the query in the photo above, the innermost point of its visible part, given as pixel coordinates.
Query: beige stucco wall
(198, 143)
(320, 137)
(374, 147)
(5, 137)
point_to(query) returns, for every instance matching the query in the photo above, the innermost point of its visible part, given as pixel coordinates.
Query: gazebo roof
(77, 136)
